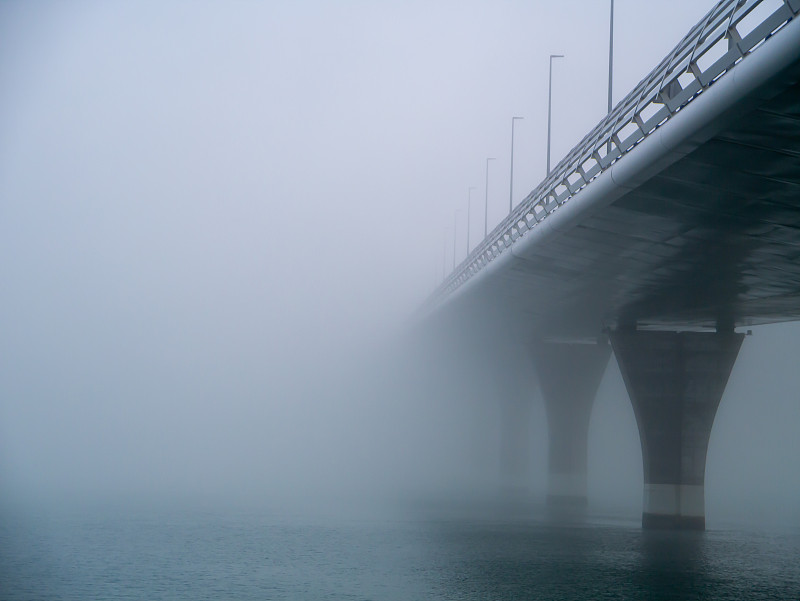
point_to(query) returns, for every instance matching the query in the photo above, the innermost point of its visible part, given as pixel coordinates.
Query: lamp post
(444, 254)
(610, 54)
(549, 106)
(486, 202)
(455, 223)
(469, 212)
(511, 185)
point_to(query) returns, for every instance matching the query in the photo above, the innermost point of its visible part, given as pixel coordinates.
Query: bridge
(668, 228)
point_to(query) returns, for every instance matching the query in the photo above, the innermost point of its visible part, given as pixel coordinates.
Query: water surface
(244, 555)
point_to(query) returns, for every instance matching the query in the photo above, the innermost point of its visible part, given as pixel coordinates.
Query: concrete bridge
(673, 225)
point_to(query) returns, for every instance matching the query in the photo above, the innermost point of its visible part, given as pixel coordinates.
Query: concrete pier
(513, 386)
(569, 375)
(675, 381)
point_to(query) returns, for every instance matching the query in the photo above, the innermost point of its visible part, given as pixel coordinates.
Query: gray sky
(206, 209)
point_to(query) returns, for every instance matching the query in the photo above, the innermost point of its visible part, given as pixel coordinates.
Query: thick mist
(216, 221)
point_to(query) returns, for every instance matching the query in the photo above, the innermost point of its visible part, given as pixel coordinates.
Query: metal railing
(731, 30)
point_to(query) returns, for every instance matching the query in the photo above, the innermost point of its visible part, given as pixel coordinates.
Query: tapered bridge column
(513, 384)
(569, 375)
(515, 451)
(675, 382)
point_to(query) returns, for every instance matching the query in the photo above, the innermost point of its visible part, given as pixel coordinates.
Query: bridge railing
(731, 30)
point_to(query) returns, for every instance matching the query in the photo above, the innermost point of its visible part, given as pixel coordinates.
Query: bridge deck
(697, 225)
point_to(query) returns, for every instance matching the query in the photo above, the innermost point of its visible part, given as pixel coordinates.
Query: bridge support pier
(512, 385)
(569, 375)
(675, 381)
(516, 446)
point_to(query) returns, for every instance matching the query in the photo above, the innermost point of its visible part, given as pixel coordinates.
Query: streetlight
(455, 223)
(511, 186)
(444, 254)
(469, 211)
(549, 106)
(486, 202)
(610, 54)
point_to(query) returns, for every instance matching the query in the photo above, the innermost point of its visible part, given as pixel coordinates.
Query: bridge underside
(713, 239)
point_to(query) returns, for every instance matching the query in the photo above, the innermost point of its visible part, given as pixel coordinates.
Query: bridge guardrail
(731, 30)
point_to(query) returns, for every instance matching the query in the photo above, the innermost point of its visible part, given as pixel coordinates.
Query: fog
(217, 219)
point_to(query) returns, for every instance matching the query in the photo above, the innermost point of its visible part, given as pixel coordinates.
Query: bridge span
(674, 223)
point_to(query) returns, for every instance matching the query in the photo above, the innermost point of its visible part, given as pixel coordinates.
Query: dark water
(247, 555)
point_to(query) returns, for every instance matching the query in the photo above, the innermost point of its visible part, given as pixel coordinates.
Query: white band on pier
(674, 499)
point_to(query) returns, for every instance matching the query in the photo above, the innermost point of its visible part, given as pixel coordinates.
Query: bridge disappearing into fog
(675, 221)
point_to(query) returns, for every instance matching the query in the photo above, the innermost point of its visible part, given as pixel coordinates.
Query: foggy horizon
(221, 372)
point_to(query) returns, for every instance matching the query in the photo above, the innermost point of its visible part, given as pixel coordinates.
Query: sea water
(252, 555)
